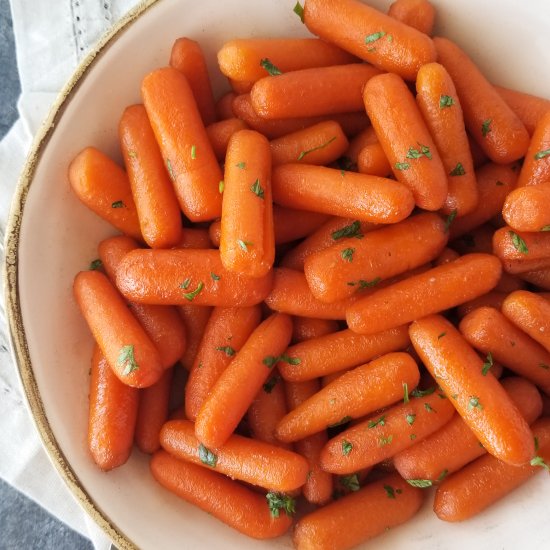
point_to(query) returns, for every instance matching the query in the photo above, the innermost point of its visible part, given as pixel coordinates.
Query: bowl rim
(10, 279)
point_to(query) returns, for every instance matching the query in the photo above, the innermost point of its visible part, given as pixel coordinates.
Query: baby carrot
(194, 237)
(340, 193)
(372, 160)
(360, 141)
(489, 331)
(306, 328)
(242, 458)
(195, 319)
(239, 383)
(188, 58)
(180, 276)
(447, 255)
(224, 335)
(492, 299)
(382, 505)
(339, 351)
(488, 118)
(440, 106)
(419, 14)
(104, 188)
(224, 106)
(351, 264)
(479, 399)
(521, 252)
(312, 92)
(455, 445)
(247, 242)
(112, 415)
(184, 143)
(529, 108)
(526, 208)
(380, 437)
(124, 343)
(536, 165)
(486, 480)
(241, 86)
(435, 290)
(370, 34)
(406, 140)
(243, 509)
(219, 134)
(539, 278)
(153, 192)
(356, 393)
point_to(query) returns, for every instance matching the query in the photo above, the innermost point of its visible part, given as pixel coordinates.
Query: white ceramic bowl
(52, 236)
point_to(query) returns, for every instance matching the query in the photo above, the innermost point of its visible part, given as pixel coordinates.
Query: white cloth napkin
(51, 38)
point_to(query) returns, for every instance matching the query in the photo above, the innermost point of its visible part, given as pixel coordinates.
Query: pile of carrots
(354, 306)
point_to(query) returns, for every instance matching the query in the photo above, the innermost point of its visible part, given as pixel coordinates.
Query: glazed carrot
(455, 445)
(239, 383)
(370, 34)
(406, 140)
(152, 413)
(531, 313)
(340, 193)
(479, 399)
(241, 86)
(539, 278)
(435, 290)
(478, 156)
(536, 165)
(224, 335)
(529, 108)
(122, 340)
(247, 241)
(219, 134)
(183, 141)
(188, 58)
(153, 192)
(112, 415)
(526, 208)
(419, 14)
(162, 324)
(358, 392)
(306, 328)
(440, 106)
(492, 299)
(241, 508)
(224, 106)
(339, 351)
(242, 458)
(104, 188)
(359, 142)
(195, 319)
(486, 480)
(180, 276)
(320, 144)
(291, 294)
(488, 118)
(195, 238)
(351, 264)
(447, 255)
(383, 504)
(520, 251)
(372, 160)
(245, 59)
(381, 436)
(312, 92)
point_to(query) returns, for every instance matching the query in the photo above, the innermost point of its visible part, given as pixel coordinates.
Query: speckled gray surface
(23, 524)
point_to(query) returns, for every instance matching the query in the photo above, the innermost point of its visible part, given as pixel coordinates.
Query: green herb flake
(458, 170)
(185, 283)
(412, 437)
(347, 254)
(518, 242)
(446, 101)
(270, 384)
(228, 350)
(290, 360)
(486, 127)
(374, 37)
(344, 420)
(207, 457)
(193, 152)
(346, 447)
(439, 336)
(241, 165)
(429, 408)
(350, 482)
(499, 183)
(423, 393)
(488, 364)
(443, 475)
(410, 418)
(402, 166)
(474, 403)
(280, 501)
(118, 204)
(383, 441)
(380, 422)
(536, 440)
(221, 186)
(214, 276)
(539, 461)
(424, 151)
(345, 163)
(256, 188)
(352, 230)
(304, 153)
(405, 392)
(193, 294)
(541, 154)
(170, 170)
(361, 283)
(420, 483)
(454, 395)
(545, 228)
(544, 366)
(127, 360)
(389, 38)
(299, 11)
(95, 265)
(244, 244)
(269, 67)
(270, 360)
(132, 154)
(390, 491)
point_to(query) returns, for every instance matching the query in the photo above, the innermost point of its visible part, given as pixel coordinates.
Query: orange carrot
(241, 86)
(419, 14)
(384, 504)
(486, 480)
(184, 144)
(239, 383)
(372, 160)
(447, 255)
(526, 208)
(359, 142)
(312, 92)
(187, 57)
(492, 299)
(104, 188)
(219, 134)
(339, 351)
(112, 416)
(306, 328)
(406, 140)
(440, 106)
(529, 108)
(195, 238)
(539, 278)
(124, 343)
(224, 335)
(353, 264)
(224, 106)
(435, 290)
(247, 241)
(340, 193)
(479, 399)
(536, 166)
(356, 393)
(225, 499)
(153, 192)
(180, 276)
(520, 252)
(488, 118)
(195, 319)
(370, 34)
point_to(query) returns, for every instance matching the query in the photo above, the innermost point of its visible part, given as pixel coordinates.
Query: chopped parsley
(486, 127)
(474, 403)
(420, 483)
(193, 152)
(450, 219)
(256, 188)
(269, 67)
(127, 360)
(350, 482)
(405, 392)
(352, 230)
(410, 418)
(194, 293)
(539, 461)
(95, 265)
(241, 165)
(402, 165)
(214, 276)
(228, 350)
(170, 170)
(458, 170)
(347, 254)
(299, 11)
(244, 244)
(207, 457)
(446, 101)
(118, 204)
(346, 447)
(280, 501)
(488, 364)
(542, 154)
(304, 153)
(344, 420)
(380, 422)
(385, 440)
(423, 393)
(221, 186)
(518, 242)
(374, 37)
